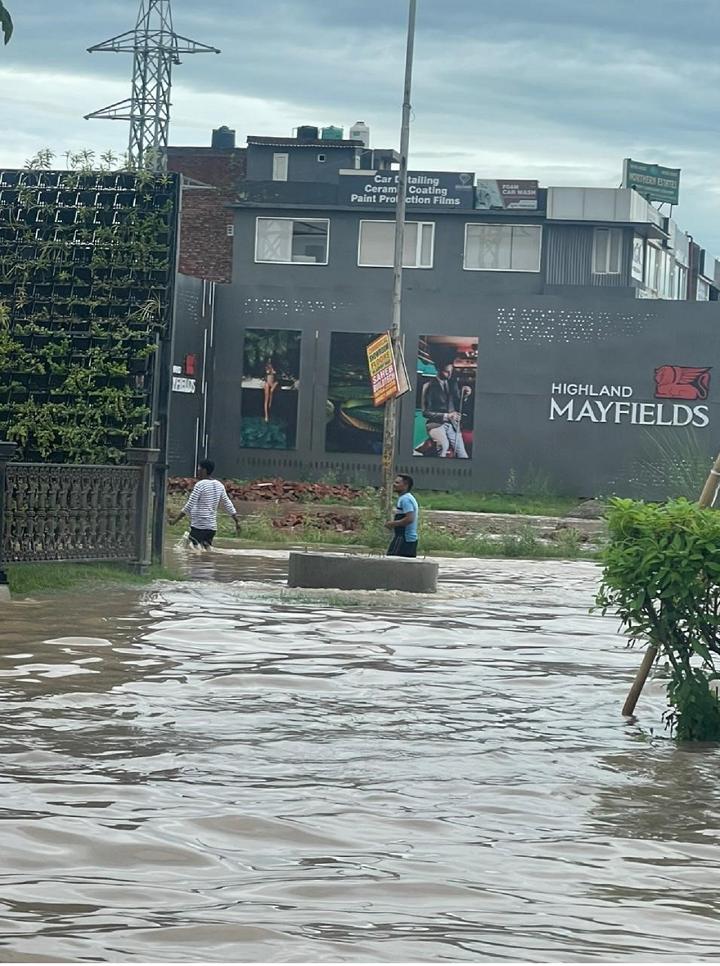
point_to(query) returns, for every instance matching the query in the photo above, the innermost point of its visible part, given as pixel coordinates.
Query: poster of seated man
(444, 409)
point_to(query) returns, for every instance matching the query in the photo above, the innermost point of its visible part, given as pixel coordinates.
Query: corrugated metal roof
(295, 143)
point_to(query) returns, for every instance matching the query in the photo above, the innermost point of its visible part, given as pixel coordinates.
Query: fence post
(7, 451)
(145, 459)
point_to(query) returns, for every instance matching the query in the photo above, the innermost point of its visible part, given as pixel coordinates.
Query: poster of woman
(270, 385)
(444, 407)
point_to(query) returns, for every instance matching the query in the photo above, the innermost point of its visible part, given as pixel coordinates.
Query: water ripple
(229, 770)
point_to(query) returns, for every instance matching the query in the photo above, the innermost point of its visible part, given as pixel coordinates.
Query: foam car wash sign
(680, 394)
(652, 181)
(506, 195)
(437, 190)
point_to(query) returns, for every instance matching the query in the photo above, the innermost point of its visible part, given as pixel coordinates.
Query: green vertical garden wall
(87, 263)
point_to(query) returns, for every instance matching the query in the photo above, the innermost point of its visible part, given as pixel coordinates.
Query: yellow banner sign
(383, 371)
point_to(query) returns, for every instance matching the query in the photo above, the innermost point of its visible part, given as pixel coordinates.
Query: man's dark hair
(409, 481)
(208, 466)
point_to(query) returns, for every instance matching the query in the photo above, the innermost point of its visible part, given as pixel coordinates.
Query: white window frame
(322, 158)
(504, 224)
(609, 270)
(418, 243)
(273, 261)
(280, 159)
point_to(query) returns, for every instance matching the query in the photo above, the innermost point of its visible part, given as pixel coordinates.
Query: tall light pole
(391, 407)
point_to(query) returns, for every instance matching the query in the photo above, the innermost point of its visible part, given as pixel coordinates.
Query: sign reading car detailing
(615, 404)
(426, 189)
(383, 372)
(652, 181)
(506, 195)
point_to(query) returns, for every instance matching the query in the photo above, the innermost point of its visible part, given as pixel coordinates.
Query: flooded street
(224, 769)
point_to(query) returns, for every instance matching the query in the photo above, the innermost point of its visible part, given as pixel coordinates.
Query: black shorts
(202, 538)
(400, 547)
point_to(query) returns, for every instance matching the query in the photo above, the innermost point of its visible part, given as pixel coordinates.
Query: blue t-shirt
(408, 504)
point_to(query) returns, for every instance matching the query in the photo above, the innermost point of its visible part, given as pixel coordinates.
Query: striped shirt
(203, 504)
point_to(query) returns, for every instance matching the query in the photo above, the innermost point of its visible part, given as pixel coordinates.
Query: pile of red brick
(276, 491)
(339, 522)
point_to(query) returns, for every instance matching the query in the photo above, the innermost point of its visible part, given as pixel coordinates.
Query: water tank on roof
(223, 138)
(307, 133)
(332, 133)
(360, 132)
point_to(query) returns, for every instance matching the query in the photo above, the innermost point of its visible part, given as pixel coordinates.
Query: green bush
(662, 576)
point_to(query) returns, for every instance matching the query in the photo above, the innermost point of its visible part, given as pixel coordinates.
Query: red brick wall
(206, 249)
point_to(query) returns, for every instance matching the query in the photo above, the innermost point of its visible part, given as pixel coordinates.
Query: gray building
(553, 307)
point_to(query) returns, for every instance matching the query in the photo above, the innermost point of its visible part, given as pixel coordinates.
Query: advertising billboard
(437, 190)
(506, 195)
(652, 181)
(353, 424)
(270, 386)
(444, 406)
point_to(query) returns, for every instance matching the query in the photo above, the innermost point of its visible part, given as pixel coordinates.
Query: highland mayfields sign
(575, 402)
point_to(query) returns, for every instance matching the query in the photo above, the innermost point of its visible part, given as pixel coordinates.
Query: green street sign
(652, 181)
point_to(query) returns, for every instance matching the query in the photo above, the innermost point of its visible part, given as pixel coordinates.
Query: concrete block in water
(355, 572)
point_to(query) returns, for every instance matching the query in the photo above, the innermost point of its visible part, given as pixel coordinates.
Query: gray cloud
(553, 89)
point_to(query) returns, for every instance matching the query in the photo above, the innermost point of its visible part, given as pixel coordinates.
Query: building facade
(555, 312)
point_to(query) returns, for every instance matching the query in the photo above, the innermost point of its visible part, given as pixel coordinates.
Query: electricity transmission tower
(156, 48)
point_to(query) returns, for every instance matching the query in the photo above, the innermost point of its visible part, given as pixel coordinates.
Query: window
(502, 248)
(680, 282)
(652, 268)
(289, 240)
(322, 158)
(607, 251)
(280, 167)
(376, 244)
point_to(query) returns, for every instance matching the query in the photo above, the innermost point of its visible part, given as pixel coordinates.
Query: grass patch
(258, 530)
(542, 506)
(37, 578)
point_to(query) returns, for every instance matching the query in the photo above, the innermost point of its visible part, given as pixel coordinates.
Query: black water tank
(223, 139)
(307, 133)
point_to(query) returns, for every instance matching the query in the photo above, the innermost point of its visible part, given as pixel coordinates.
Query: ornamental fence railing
(51, 513)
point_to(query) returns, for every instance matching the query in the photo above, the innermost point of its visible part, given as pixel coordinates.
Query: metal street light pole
(391, 407)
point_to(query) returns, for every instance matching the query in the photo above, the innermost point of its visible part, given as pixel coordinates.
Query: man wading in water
(202, 507)
(405, 524)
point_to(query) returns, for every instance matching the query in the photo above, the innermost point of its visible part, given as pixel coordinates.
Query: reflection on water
(228, 770)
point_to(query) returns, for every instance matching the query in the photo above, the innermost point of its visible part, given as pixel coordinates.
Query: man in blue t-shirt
(405, 524)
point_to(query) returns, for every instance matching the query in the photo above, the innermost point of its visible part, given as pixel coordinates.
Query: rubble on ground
(339, 522)
(276, 491)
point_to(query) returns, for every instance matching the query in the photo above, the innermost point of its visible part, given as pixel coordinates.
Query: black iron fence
(58, 513)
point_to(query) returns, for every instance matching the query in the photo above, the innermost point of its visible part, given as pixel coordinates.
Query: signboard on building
(652, 181)
(181, 384)
(438, 190)
(506, 195)
(638, 258)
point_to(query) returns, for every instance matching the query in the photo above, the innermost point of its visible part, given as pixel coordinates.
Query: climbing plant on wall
(86, 271)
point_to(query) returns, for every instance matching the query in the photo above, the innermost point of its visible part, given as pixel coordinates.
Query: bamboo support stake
(707, 498)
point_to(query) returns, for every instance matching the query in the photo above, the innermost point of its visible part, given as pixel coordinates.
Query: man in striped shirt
(202, 507)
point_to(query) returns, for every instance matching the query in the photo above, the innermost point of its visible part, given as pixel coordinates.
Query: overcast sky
(558, 90)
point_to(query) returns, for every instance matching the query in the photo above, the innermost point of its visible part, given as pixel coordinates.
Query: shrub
(662, 576)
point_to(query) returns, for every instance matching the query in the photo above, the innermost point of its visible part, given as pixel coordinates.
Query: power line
(156, 48)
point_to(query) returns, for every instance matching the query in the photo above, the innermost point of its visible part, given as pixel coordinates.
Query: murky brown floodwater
(234, 771)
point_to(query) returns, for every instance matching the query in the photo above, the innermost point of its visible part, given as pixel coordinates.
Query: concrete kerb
(338, 571)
